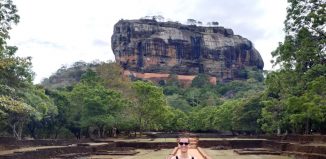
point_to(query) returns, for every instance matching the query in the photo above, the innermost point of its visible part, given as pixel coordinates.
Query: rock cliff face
(148, 46)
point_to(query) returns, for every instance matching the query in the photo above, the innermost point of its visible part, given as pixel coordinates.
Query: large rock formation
(147, 46)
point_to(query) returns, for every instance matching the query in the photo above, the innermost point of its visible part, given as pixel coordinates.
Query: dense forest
(96, 99)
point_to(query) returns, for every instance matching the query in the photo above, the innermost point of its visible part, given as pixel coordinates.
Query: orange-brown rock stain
(185, 80)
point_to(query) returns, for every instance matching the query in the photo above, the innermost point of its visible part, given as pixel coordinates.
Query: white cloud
(60, 32)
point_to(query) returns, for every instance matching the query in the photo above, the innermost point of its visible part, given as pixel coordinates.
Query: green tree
(308, 111)
(306, 14)
(15, 114)
(112, 76)
(149, 106)
(15, 75)
(192, 95)
(200, 118)
(302, 59)
(60, 121)
(13, 70)
(127, 120)
(196, 119)
(317, 103)
(209, 98)
(273, 113)
(36, 97)
(178, 102)
(273, 116)
(304, 44)
(173, 80)
(8, 17)
(177, 120)
(201, 81)
(247, 114)
(225, 115)
(92, 105)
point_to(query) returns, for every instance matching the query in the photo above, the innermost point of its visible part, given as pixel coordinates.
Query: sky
(57, 33)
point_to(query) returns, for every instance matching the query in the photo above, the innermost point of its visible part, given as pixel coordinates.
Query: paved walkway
(193, 152)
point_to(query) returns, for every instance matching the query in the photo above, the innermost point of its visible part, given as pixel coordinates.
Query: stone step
(256, 152)
(305, 155)
(131, 153)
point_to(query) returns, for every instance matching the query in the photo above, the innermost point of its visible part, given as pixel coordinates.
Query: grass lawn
(229, 154)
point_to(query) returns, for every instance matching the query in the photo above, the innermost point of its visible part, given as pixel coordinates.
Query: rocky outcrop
(148, 46)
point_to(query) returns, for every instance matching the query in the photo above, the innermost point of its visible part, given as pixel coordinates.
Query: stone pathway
(26, 149)
(193, 150)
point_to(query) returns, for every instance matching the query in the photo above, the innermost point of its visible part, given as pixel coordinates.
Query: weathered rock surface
(147, 46)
